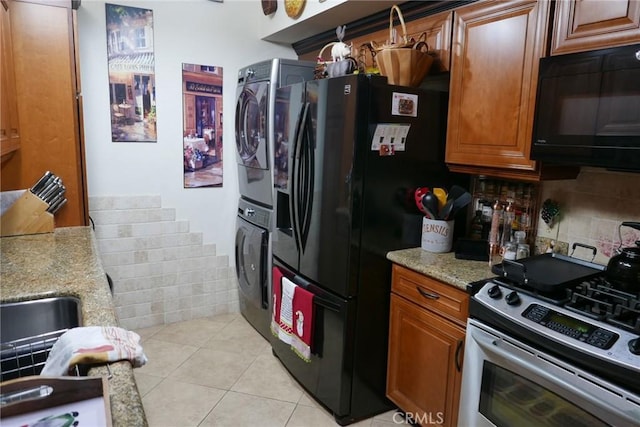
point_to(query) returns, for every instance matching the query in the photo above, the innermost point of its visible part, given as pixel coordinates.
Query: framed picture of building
(202, 125)
(131, 61)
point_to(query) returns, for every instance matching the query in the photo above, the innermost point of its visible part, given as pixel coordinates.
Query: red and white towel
(277, 295)
(293, 315)
(302, 323)
(286, 310)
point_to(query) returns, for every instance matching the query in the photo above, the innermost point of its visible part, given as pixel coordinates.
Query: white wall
(191, 31)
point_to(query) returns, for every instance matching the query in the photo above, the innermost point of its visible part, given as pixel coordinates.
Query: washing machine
(253, 264)
(257, 111)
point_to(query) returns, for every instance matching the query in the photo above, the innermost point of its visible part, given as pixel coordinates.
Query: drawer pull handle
(426, 294)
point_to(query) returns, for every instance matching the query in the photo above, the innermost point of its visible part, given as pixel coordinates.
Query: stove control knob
(495, 292)
(634, 346)
(512, 298)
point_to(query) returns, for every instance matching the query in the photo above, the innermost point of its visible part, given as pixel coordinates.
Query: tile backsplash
(592, 206)
(161, 271)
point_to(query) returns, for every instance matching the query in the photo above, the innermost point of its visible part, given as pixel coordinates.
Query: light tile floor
(219, 371)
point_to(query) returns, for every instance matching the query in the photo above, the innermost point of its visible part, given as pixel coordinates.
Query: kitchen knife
(56, 206)
(55, 199)
(58, 191)
(45, 184)
(41, 182)
(49, 189)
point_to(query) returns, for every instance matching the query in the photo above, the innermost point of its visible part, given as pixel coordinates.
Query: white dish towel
(93, 345)
(286, 310)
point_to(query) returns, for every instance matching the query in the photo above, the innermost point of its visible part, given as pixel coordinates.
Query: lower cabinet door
(425, 364)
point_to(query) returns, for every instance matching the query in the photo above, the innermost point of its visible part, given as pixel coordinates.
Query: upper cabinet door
(9, 126)
(494, 69)
(588, 25)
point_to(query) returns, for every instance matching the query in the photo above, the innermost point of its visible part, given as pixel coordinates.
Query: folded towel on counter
(93, 345)
(286, 311)
(303, 323)
(276, 276)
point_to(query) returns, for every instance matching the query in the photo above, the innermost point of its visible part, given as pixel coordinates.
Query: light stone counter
(66, 263)
(444, 267)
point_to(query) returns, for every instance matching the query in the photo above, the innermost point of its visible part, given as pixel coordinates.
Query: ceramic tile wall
(592, 206)
(162, 272)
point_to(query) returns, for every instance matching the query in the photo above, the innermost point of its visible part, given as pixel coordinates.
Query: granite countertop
(444, 267)
(66, 263)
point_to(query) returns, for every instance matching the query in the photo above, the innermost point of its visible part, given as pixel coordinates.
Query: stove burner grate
(597, 299)
(627, 318)
(589, 306)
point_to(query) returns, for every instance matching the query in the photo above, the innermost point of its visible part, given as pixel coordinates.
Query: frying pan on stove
(549, 272)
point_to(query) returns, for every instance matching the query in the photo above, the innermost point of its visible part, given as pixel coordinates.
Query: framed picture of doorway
(131, 61)
(202, 125)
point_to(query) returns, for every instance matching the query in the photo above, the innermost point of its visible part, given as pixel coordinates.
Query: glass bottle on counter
(509, 215)
(494, 233)
(522, 248)
(509, 250)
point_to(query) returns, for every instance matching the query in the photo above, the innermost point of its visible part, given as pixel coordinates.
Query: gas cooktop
(595, 298)
(593, 313)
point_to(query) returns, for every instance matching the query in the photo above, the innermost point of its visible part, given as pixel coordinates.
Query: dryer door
(252, 245)
(251, 125)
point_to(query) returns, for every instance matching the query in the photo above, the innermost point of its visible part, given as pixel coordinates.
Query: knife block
(27, 215)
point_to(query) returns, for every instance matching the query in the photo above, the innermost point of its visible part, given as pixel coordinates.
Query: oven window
(508, 399)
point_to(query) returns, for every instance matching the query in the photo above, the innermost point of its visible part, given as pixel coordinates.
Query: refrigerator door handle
(326, 304)
(295, 178)
(307, 173)
(299, 281)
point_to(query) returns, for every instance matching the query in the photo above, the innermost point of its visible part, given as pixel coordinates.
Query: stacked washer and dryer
(255, 116)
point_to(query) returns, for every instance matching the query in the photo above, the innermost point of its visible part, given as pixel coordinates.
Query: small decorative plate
(294, 7)
(269, 6)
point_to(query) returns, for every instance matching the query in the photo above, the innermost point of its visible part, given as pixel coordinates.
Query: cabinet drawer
(431, 294)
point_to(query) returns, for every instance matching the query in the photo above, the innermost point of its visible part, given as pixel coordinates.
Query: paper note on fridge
(390, 134)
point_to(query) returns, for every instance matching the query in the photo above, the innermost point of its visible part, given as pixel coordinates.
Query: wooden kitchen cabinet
(9, 125)
(494, 71)
(588, 25)
(426, 347)
(43, 36)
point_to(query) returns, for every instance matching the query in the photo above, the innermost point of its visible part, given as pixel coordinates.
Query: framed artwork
(202, 125)
(132, 88)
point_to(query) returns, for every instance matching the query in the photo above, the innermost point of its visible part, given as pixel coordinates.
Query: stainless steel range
(551, 342)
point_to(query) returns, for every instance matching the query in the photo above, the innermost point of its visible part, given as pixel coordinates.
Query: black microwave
(588, 109)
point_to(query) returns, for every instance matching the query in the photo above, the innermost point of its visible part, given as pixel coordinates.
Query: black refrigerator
(349, 152)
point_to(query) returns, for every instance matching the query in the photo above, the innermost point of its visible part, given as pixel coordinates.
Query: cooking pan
(549, 272)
